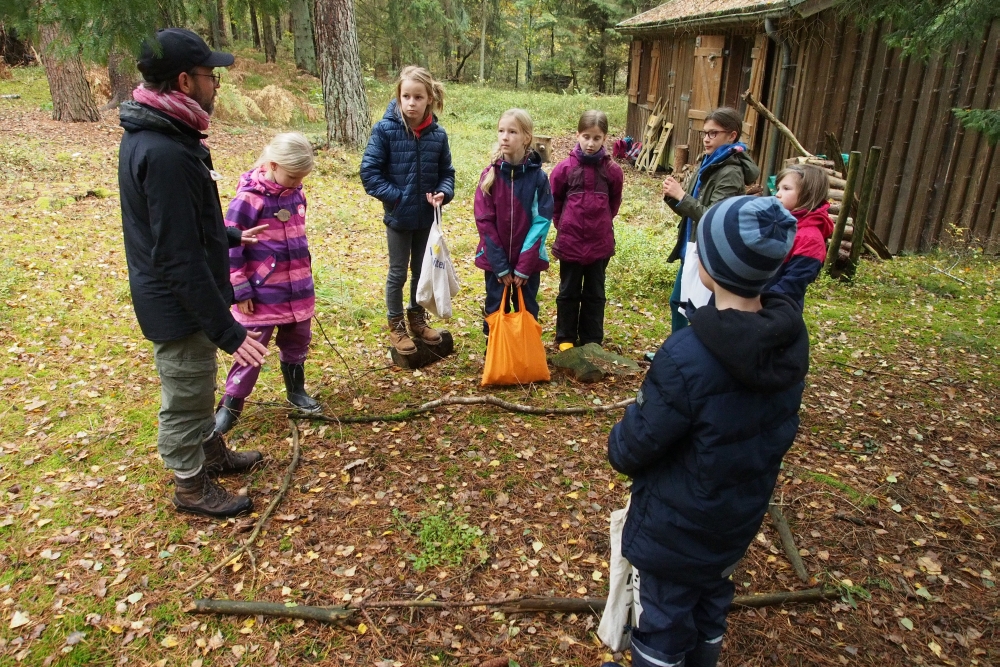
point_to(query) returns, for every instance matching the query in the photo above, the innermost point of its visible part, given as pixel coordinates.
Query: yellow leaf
(362, 629)
(573, 494)
(169, 641)
(117, 629)
(935, 648)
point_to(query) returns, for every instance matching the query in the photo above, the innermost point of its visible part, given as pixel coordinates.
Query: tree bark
(302, 31)
(225, 35)
(123, 77)
(212, 10)
(71, 98)
(394, 28)
(348, 120)
(482, 48)
(270, 49)
(254, 26)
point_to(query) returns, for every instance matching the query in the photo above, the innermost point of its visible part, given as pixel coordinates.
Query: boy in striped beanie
(704, 440)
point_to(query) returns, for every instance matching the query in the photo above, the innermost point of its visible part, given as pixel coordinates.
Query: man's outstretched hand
(251, 352)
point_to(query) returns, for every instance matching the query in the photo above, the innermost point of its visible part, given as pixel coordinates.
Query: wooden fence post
(864, 207)
(845, 209)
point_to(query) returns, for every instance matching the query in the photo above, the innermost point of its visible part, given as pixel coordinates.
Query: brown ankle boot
(417, 318)
(398, 336)
(220, 460)
(201, 495)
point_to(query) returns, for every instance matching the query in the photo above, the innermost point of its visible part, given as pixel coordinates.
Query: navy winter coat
(176, 244)
(399, 170)
(705, 438)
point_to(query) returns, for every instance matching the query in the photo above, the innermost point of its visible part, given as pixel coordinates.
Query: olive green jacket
(728, 178)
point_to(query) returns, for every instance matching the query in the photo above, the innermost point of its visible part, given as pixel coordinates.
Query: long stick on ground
(285, 483)
(766, 113)
(787, 541)
(529, 605)
(404, 415)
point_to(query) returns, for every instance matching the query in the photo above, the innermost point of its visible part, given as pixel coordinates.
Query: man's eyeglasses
(711, 134)
(217, 78)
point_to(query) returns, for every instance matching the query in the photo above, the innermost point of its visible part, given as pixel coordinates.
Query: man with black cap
(176, 246)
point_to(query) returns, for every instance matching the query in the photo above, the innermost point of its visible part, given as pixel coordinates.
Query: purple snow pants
(293, 347)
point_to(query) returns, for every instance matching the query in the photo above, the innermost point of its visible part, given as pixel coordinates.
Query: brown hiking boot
(398, 336)
(417, 318)
(220, 460)
(201, 495)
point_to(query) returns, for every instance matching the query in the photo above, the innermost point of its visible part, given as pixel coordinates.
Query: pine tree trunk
(71, 98)
(226, 36)
(348, 120)
(395, 26)
(215, 36)
(254, 26)
(302, 31)
(270, 50)
(123, 77)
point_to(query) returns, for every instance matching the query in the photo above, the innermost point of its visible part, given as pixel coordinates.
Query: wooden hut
(820, 73)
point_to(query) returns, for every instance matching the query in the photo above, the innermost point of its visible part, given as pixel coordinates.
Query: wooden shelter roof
(677, 14)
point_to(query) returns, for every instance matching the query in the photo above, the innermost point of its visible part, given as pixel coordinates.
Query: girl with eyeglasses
(723, 170)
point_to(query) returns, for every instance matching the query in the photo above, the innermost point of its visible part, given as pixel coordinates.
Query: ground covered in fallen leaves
(891, 489)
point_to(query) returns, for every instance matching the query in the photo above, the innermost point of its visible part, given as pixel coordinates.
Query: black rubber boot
(228, 413)
(220, 460)
(202, 495)
(705, 654)
(295, 387)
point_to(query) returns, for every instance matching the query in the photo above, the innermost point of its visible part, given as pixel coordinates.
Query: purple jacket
(587, 190)
(275, 272)
(514, 218)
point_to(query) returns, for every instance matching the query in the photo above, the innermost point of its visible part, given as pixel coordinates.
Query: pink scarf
(176, 105)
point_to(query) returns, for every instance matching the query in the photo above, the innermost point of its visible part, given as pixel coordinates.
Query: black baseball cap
(180, 51)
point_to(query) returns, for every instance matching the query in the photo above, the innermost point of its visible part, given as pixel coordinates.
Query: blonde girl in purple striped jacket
(272, 279)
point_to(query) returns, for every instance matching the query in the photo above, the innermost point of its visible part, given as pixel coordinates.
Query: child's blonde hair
(527, 128)
(814, 185)
(435, 89)
(290, 151)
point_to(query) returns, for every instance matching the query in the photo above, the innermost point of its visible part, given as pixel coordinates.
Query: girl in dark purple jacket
(587, 190)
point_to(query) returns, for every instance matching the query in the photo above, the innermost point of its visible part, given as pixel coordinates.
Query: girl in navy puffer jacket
(407, 166)
(587, 191)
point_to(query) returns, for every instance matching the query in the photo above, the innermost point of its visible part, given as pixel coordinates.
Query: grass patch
(861, 499)
(445, 539)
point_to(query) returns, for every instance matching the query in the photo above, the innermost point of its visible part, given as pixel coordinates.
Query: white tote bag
(692, 289)
(616, 619)
(438, 282)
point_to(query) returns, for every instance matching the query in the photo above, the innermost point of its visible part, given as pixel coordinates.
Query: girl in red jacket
(587, 189)
(803, 190)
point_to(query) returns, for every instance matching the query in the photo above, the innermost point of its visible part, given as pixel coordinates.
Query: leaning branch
(787, 541)
(512, 606)
(470, 400)
(285, 483)
(766, 113)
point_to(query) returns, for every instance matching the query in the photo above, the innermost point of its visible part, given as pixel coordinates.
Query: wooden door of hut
(706, 85)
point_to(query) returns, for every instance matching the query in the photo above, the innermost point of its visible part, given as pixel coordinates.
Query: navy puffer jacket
(705, 438)
(399, 170)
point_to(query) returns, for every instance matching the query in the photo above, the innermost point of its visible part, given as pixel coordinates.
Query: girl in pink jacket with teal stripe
(272, 279)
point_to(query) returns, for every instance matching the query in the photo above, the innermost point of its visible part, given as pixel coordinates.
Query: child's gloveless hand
(435, 198)
(246, 307)
(249, 236)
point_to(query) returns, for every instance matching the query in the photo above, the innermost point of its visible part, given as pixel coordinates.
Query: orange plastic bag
(514, 354)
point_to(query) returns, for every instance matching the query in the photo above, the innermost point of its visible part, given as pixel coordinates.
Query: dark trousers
(406, 249)
(494, 294)
(677, 320)
(678, 620)
(580, 304)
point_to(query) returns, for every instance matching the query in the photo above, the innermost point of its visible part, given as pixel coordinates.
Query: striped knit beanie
(743, 241)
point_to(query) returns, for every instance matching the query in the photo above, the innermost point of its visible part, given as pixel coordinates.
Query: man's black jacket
(176, 243)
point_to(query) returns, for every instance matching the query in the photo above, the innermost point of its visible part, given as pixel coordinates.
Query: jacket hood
(532, 162)
(766, 351)
(135, 117)
(256, 180)
(819, 217)
(741, 159)
(596, 158)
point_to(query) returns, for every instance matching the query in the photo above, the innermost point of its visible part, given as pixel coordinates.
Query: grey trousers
(187, 369)
(405, 249)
